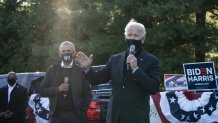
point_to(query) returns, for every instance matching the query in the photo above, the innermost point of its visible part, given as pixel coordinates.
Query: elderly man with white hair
(68, 91)
(134, 75)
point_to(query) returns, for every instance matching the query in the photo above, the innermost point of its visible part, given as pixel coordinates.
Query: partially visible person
(68, 90)
(135, 74)
(13, 101)
(35, 84)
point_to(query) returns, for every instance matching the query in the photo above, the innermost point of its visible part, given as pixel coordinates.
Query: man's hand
(2, 114)
(7, 114)
(63, 87)
(84, 60)
(132, 60)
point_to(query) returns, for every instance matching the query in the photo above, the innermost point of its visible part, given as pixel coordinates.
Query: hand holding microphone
(66, 81)
(64, 87)
(131, 59)
(132, 49)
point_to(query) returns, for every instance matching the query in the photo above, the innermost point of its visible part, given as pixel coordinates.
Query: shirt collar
(66, 66)
(12, 86)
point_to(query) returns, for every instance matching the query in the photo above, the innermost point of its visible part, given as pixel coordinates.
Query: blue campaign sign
(200, 75)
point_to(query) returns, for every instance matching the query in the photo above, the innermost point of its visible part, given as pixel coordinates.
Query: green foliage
(177, 31)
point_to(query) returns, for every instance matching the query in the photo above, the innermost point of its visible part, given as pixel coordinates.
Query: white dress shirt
(67, 66)
(10, 88)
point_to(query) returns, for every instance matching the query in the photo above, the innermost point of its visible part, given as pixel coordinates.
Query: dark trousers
(65, 117)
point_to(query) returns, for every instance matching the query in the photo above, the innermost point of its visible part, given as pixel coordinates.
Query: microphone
(131, 51)
(66, 80)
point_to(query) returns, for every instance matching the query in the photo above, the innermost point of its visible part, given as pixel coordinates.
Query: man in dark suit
(13, 101)
(68, 91)
(134, 75)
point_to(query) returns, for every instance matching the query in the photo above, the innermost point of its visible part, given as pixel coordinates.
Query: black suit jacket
(129, 104)
(17, 103)
(81, 92)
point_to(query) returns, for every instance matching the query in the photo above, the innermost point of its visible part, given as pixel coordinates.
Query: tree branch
(212, 12)
(20, 2)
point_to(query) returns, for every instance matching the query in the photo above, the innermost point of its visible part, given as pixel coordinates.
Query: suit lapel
(75, 74)
(120, 68)
(76, 86)
(13, 92)
(6, 95)
(140, 59)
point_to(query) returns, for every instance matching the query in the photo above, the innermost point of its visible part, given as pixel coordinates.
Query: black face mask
(137, 43)
(11, 81)
(67, 57)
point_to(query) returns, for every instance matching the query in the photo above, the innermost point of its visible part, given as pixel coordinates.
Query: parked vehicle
(101, 93)
(101, 96)
(24, 79)
(98, 107)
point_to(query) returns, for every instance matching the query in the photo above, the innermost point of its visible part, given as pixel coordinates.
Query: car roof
(23, 79)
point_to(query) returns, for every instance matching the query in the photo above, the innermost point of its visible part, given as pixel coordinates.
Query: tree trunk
(200, 42)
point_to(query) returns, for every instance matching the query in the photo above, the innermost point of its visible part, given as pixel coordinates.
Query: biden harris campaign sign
(200, 75)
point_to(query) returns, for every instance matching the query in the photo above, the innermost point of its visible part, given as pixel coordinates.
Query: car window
(22, 79)
(3, 80)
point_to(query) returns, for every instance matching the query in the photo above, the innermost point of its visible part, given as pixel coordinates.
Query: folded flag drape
(40, 108)
(187, 106)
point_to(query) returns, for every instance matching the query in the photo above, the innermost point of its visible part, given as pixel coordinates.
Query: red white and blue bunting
(186, 107)
(40, 108)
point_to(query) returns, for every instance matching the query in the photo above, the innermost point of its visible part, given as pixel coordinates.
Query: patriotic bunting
(187, 107)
